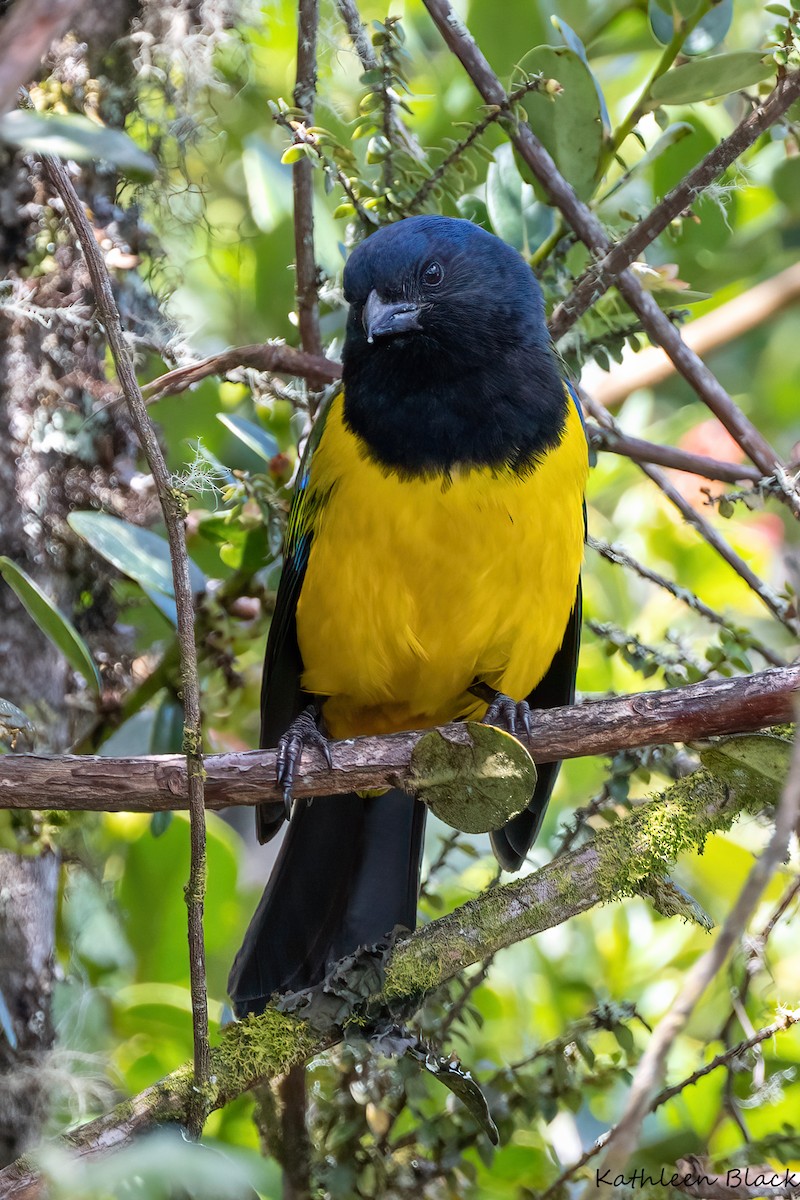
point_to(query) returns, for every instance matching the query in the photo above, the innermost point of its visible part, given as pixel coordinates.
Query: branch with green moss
(376, 986)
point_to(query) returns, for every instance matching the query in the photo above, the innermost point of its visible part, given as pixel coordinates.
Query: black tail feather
(347, 873)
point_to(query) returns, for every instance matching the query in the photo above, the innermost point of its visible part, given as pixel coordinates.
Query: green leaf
(53, 624)
(516, 215)
(69, 135)
(474, 777)
(708, 77)
(293, 154)
(759, 761)
(160, 822)
(570, 125)
(786, 183)
(138, 553)
(450, 1072)
(576, 45)
(707, 34)
(254, 437)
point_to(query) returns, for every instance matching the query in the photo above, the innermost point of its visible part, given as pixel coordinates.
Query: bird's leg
(503, 712)
(303, 731)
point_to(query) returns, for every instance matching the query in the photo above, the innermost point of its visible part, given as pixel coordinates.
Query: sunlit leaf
(706, 78)
(254, 437)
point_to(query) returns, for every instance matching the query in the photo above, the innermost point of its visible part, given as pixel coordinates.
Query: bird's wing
(282, 696)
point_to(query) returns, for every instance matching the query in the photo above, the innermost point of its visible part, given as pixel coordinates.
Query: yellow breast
(415, 589)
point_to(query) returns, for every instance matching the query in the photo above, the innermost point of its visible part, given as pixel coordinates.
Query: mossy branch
(629, 858)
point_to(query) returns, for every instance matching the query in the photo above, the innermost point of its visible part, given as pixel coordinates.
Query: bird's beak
(386, 320)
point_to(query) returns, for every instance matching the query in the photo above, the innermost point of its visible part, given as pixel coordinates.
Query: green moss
(260, 1047)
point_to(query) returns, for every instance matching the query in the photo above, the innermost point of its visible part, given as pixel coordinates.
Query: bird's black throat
(422, 410)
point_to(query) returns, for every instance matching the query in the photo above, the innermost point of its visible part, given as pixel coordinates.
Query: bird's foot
(509, 714)
(303, 731)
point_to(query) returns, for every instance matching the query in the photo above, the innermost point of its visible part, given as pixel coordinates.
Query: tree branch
(158, 782)
(639, 450)
(621, 558)
(303, 186)
(706, 530)
(719, 327)
(591, 232)
(622, 860)
(599, 277)
(269, 357)
(184, 600)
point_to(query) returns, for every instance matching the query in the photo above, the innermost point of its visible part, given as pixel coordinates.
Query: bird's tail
(347, 873)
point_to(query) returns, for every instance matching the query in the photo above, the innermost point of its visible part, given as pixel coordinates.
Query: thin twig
(192, 783)
(706, 530)
(302, 136)
(363, 47)
(618, 556)
(425, 190)
(588, 227)
(766, 595)
(151, 783)
(599, 277)
(306, 280)
(670, 456)
(789, 1018)
(266, 356)
(650, 1070)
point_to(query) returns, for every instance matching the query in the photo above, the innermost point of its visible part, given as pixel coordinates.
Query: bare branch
(268, 357)
(620, 557)
(717, 328)
(785, 1021)
(598, 278)
(158, 782)
(670, 456)
(173, 519)
(650, 1070)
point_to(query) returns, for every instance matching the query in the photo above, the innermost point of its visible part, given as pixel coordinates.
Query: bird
(431, 573)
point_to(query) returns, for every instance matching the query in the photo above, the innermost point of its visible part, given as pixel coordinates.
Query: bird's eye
(433, 274)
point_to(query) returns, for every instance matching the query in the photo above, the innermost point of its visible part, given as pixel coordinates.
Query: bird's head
(439, 286)
(447, 360)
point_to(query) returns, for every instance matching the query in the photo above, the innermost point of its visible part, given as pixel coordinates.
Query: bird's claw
(509, 714)
(302, 732)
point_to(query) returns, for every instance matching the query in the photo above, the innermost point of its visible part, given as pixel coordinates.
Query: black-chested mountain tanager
(431, 574)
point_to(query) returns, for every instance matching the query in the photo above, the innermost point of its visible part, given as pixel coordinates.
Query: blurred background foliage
(553, 1027)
